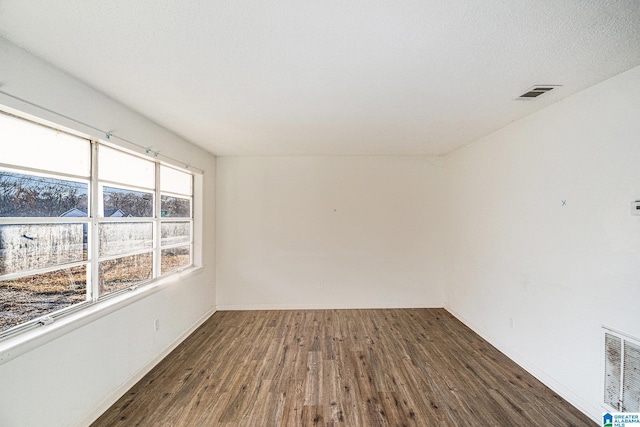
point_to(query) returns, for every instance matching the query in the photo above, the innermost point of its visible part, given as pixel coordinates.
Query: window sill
(17, 345)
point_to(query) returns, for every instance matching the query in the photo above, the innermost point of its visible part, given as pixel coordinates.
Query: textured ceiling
(348, 77)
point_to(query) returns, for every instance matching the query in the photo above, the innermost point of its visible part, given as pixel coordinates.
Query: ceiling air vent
(536, 91)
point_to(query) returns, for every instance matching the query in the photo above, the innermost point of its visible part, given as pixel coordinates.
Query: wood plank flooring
(338, 368)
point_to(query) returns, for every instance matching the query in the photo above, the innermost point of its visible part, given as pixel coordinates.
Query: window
(81, 221)
(176, 225)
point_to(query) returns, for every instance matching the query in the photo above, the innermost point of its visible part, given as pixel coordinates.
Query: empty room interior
(350, 213)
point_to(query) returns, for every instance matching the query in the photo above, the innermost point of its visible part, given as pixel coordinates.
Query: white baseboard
(95, 412)
(252, 307)
(585, 407)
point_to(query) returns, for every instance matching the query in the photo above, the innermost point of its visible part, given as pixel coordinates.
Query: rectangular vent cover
(536, 91)
(621, 372)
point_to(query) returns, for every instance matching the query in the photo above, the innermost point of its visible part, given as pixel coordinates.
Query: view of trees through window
(48, 263)
(127, 203)
(33, 196)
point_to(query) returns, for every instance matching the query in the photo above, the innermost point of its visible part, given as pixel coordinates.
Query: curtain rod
(109, 135)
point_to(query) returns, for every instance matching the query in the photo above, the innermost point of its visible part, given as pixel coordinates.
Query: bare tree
(33, 196)
(134, 203)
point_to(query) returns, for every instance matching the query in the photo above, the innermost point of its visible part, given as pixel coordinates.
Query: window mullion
(94, 239)
(41, 172)
(43, 220)
(48, 269)
(157, 213)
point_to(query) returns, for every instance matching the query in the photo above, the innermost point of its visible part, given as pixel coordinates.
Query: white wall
(71, 378)
(559, 272)
(329, 232)
(537, 278)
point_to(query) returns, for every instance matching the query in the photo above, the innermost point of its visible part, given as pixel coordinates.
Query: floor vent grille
(621, 372)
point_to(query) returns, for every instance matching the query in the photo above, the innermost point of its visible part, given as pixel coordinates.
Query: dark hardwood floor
(404, 367)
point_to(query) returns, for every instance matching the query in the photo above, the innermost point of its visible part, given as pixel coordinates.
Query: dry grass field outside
(32, 297)
(175, 258)
(123, 272)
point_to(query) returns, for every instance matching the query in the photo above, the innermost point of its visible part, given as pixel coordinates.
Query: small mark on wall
(564, 203)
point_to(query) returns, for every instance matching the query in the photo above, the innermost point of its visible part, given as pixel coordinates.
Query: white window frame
(43, 329)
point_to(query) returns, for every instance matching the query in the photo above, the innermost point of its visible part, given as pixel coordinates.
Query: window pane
(26, 247)
(175, 258)
(26, 144)
(175, 207)
(175, 232)
(28, 298)
(120, 203)
(175, 181)
(117, 166)
(124, 272)
(122, 237)
(35, 196)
